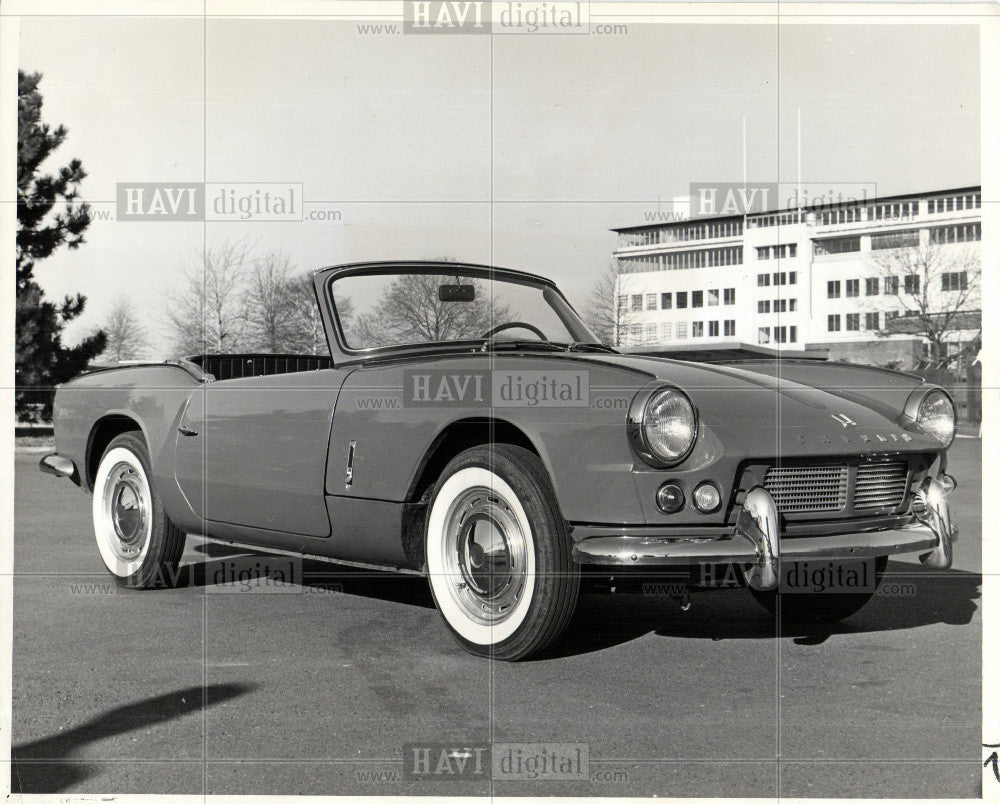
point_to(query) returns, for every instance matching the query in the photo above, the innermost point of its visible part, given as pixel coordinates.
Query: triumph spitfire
(467, 426)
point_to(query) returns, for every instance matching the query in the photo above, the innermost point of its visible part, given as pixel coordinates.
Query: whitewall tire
(139, 545)
(498, 554)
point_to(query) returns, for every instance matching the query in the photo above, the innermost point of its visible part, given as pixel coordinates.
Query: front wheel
(499, 557)
(140, 546)
(827, 606)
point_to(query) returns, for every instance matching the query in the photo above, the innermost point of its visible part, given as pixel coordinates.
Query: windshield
(379, 308)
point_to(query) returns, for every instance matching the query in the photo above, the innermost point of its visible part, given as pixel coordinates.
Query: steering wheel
(514, 325)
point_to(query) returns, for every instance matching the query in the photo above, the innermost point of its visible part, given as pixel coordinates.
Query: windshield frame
(552, 295)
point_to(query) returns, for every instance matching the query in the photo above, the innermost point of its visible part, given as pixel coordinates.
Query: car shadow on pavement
(408, 589)
(910, 598)
(48, 765)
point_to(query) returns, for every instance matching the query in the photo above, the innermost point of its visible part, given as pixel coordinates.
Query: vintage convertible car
(468, 426)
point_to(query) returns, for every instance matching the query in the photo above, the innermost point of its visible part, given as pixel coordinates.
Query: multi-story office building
(797, 279)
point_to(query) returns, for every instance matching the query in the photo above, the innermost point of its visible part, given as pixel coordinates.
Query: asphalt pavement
(316, 686)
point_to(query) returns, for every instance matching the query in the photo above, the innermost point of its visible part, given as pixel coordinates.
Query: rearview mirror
(457, 293)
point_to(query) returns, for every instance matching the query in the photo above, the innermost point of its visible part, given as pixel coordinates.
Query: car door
(252, 451)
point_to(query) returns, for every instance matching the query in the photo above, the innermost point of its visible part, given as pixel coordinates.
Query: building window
(682, 329)
(871, 286)
(729, 327)
(849, 214)
(650, 301)
(891, 285)
(871, 321)
(954, 203)
(650, 332)
(958, 280)
(852, 322)
(780, 334)
(729, 296)
(697, 329)
(780, 278)
(764, 306)
(782, 219)
(713, 329)
(791, 277)
(895, 240)
(763, 335)
(833, 289)
(637, 303)
(713, 298)
(679, 260)
(833, 323)
(682, 299)
(666, 301)
(763, 280)
(779, 252)
(793, 334)
(911, 284)
(780, 305)
(964, 233)
(792, 304)
(622, 303)
(893, 212)
(852, 288)
(666, 331)
(836, 245)
(697, 298)
(636, 331)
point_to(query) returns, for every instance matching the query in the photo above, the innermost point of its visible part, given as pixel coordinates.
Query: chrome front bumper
(756, 543)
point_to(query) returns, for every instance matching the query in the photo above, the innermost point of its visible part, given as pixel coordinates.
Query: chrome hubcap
(125, 505)
(485, 555)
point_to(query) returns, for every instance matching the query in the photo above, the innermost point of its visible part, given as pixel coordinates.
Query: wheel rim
(123, 512)
(485, 555)
(128, 511)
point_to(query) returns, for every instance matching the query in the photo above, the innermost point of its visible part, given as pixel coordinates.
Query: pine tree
(49, 215)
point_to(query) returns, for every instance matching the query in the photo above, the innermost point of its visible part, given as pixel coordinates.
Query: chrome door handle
(186, 432)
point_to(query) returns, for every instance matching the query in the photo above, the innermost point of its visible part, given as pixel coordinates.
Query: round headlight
(669, 425)
(936, 416)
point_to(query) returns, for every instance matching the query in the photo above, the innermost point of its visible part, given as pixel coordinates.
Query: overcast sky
(521, 151)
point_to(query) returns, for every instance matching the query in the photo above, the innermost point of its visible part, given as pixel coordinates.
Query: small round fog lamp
(670, 498)
(707, 498)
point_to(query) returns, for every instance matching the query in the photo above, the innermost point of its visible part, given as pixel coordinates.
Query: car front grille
(814, 489)
(880, 485)
(797, 489)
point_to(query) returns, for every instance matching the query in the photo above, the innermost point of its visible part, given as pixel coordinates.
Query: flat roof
(823, 207)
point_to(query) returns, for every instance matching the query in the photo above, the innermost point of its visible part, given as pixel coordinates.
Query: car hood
(758, 414)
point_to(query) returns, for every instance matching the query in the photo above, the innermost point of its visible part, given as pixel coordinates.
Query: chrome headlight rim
(636, 432)
(915, 406)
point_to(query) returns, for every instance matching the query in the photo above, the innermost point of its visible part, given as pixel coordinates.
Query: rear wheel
(822, 607)
(499, 557)
(140, 546)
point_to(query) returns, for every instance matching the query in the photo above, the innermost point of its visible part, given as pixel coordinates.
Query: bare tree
(271, 309)
(128, 338)
(207, 312)
(307, 333)
(410, 311)
(939, 287)
(607, 311)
